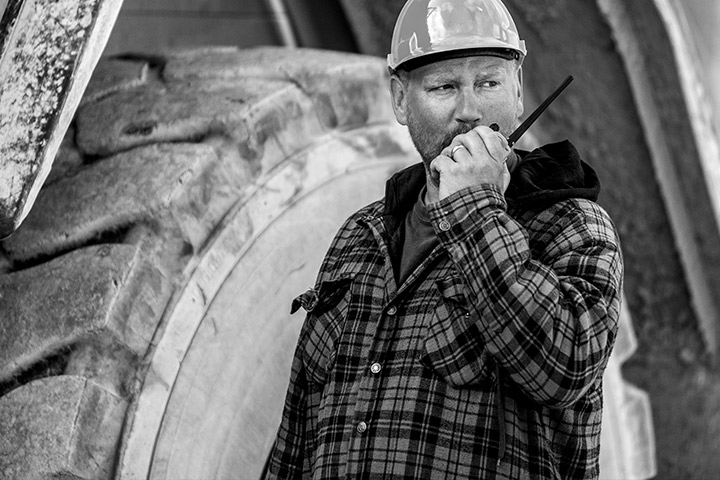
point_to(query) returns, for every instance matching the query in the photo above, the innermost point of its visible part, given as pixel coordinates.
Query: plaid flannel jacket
(486, 363)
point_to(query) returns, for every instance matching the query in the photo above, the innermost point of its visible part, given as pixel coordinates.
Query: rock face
(145, 297)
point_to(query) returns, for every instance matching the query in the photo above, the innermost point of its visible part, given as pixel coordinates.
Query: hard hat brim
(416, 62)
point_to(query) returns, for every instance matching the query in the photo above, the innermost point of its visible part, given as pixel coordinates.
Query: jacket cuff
(465, 211)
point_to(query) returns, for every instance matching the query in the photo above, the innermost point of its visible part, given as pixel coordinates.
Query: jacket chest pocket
(453, 346)
(327, 308)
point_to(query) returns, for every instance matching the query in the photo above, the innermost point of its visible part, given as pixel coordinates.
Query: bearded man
(459, 327)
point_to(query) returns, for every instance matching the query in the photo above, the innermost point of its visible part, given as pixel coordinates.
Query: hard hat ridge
(427, 28)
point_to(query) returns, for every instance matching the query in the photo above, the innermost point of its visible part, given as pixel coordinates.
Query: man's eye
(489, 84)
(441, 88)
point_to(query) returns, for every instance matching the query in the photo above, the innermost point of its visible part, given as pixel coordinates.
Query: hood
(544, 176)
(550, 174)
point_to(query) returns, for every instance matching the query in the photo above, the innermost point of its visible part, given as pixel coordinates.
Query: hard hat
(425, 28)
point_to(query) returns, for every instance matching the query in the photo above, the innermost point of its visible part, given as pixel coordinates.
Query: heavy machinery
(161, 208)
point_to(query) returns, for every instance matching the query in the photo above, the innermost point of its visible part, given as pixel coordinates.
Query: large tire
(145, 300)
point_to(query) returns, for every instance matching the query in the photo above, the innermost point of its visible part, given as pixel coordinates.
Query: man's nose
(468, 108)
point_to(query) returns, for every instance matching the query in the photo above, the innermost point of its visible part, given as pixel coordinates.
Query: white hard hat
(425, 28)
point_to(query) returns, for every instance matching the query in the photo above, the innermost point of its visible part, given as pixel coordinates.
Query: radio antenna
(515, 136)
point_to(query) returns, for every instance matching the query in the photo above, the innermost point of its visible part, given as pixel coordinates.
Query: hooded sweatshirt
(486, 362)
(545, 176)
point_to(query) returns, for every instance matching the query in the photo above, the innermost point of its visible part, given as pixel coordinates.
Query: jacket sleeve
(549, 317)
(287, 458)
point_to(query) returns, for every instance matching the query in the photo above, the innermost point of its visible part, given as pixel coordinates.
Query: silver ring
(455, 148)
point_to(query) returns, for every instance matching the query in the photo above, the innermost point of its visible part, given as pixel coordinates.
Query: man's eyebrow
(450, 75)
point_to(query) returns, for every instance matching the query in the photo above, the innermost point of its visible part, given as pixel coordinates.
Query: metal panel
(152, 33)
(245, 7)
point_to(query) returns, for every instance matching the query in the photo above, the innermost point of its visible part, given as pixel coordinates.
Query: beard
(429, 142)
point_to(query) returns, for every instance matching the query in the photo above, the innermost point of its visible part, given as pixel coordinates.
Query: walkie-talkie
(515, 136)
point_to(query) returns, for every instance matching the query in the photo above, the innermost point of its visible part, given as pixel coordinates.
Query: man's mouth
(450, 136)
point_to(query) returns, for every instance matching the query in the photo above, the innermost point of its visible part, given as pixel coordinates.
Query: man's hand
(471, 159)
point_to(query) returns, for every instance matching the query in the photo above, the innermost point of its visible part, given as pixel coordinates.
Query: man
(459, 327)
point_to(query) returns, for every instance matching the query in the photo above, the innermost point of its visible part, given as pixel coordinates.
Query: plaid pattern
(494, 347)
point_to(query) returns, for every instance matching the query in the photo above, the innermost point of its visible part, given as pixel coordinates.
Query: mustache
(449, 136)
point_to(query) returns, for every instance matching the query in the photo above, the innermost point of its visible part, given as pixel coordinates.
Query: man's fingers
(478, 141)
(495, 144)
(471, 141)
(440, 163)
(455, 149)
(506, 178)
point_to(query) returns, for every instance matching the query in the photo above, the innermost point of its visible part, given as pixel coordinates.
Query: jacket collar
(402, 190)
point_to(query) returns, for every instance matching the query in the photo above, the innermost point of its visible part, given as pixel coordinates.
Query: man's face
(446, 98)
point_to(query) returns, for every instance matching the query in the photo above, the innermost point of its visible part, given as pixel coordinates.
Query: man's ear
(399, 98)
(520, 104)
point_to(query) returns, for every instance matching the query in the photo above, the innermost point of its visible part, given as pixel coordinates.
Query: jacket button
(361, 427)
(375, 368)
(392, 310)
(444, 225)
